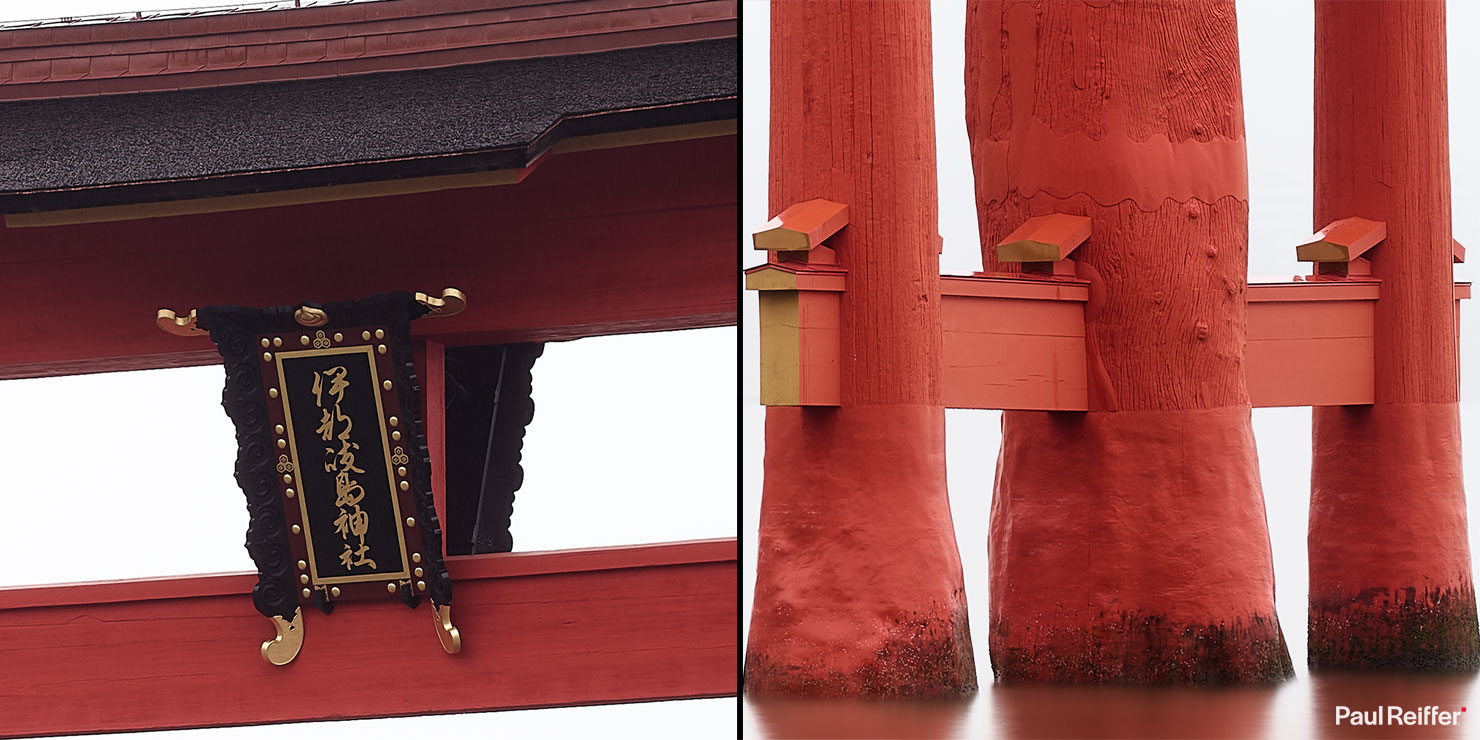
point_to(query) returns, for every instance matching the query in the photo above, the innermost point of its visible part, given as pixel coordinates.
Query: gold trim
(451, 303)
(366, 350)
(180, 326)
(309, 316)
(282, 649)
(447, 634)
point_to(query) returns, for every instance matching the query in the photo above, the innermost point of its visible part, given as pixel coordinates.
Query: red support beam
(610, 241)
(539, 629)
(431, 369)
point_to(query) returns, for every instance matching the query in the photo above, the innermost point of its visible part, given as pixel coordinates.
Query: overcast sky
(1276, 39)
(596, 473)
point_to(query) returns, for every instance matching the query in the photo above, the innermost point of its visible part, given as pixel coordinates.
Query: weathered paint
(1129, 543)
(858, 585)
(1390, 583)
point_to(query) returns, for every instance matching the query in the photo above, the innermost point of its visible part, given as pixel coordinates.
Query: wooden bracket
(802, 227)
(1043, 243)
(450, 303)
(1342, 241)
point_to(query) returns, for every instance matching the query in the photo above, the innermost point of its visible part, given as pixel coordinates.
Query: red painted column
(1390, 583)
(858, 587)
(1128, 543)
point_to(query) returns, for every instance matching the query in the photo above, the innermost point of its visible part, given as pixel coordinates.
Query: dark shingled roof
(105, 150)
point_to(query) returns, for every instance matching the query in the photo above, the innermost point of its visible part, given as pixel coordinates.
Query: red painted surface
(238, 48)
(1128, 544)
(858, 584)
(601, 242)
(539, 629)
(1390, 583)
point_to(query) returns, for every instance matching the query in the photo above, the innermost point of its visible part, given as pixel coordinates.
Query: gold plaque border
(313, 565)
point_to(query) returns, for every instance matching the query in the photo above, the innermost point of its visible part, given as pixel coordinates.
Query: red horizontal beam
(637, 238)
(215, 50)
(1019, 343)
(544, 629)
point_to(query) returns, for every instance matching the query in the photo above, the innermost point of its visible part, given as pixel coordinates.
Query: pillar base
(859, 590)
(1131, 547)
(1390, 583)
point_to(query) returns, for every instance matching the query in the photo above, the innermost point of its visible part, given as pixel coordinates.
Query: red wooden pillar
(1128, 543)
(858, 586)
(1390, 583)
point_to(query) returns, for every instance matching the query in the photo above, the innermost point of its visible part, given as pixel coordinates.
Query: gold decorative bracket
(451, 303)
(446, 633)
(180, 326)
(281, 650)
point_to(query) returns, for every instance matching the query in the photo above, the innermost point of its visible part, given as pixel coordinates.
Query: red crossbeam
(539, 629)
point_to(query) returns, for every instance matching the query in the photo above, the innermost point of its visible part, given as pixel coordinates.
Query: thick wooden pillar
(1128, 543)
(1390, 583)
(858, 586)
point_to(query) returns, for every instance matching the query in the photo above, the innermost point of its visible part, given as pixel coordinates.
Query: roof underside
(144, 147)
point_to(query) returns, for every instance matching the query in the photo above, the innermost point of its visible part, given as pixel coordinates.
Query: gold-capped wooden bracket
(1343, 240)
(446, 633)
(1043, 243)
(281, 650)
(802, 227)
(180, 326)
(451, 303)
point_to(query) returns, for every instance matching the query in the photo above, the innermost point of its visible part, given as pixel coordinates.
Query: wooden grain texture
(609, 241)
(1390, 573)
(859, 589)
(539, 629)
(1130, 114)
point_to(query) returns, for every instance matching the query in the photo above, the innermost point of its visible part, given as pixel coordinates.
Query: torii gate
(1115, 326)
(542, 156)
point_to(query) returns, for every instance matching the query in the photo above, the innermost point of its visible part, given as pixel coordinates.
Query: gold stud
(267, 357)
(380, 348)
(405, 486)
(287, 478)
(302, 565)
(338, 337)
(410, 521)
(277, 341)
(291, 492)
(303, 579)
(390, 588)
(304, 340)
(334, 591)
(365, 335)
(401, 471)
(265, 343)
(417, 572)
(394, 421)
(272, 392)
(307, 593)
(297, 529)
(421, 585)
(416, 557)
(396, 435)
(278, 429)
(282, 443)
(380, 334)
(386, 385)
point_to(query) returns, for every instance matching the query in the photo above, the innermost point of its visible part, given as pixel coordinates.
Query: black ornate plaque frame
(248, 340)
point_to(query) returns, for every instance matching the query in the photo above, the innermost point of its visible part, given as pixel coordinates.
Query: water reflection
(1130, 712)
(832, 718)
(1367, 692)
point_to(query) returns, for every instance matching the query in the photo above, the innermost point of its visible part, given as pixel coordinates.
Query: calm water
(1304, 707)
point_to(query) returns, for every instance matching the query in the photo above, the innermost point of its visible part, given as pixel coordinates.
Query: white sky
(596, 473)
(1276, 39)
